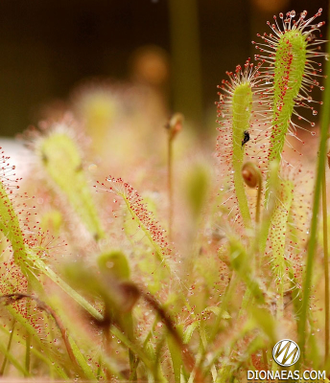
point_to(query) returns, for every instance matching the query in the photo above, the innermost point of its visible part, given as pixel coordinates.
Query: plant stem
(185, 48)
(27, 353)
(326, 267)
(277, 236)
(269, 206)
(256, 253)
(2, 371)
(325, 120)
(258, 202)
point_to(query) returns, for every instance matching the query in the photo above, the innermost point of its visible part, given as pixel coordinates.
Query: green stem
(258, 202)
(264, 357)
(27, 353)
(270, 202)
(326, 267)
(325, 120)
(2, 371)
(257, 228)
(185, 48)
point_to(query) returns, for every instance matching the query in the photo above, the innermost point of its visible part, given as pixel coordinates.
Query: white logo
(286, 353)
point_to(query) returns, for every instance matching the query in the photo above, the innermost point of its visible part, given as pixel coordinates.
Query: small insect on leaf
(246, 137)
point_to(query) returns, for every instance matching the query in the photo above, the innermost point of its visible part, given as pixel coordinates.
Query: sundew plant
(190, 275)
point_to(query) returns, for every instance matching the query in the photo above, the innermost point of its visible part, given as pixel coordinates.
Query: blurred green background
(180, 47)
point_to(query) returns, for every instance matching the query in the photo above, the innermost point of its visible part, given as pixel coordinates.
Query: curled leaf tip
(174, 125)
(251, 175)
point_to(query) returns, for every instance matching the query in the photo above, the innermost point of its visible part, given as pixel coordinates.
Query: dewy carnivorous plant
(134, 304)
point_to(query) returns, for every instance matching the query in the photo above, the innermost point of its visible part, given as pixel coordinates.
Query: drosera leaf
(40, 265)
(176, 358)
(196, 188)
(241, 263)
(153, 231)
(114, 264)
(139, 212)
(278, 238)
(36, 339)
(10, 223)
(73, 351)
(80, 358)
(114, 299)
(62, 162)
(91, 310)
(84, 340)
(292, 72)
(235, 108)
(24, 255)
